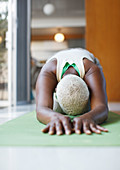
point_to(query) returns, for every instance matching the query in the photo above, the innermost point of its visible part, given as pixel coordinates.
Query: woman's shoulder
(50, 67)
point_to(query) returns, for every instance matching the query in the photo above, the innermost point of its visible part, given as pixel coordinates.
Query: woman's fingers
(77, 127)
(86, 128)
(52, 129)
(94, 129)
(97, 129)
(46, 129)
(59, 128)
(101, 128)
(67, 126)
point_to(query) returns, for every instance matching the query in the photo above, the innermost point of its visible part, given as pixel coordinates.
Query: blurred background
(56, 25)
(3, 53)
(31, 31)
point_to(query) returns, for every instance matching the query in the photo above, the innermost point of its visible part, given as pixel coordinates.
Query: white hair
(72, 94)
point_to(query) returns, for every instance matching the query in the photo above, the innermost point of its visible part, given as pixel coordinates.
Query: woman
(83, 64)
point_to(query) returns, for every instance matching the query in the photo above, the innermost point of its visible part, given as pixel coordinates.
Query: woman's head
(72, 94)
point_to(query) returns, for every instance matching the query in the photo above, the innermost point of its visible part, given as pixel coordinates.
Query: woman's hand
(59, 126)
(86, 125)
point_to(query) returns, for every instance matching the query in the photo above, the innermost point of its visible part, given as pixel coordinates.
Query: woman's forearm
(98, 114)
(45, 114)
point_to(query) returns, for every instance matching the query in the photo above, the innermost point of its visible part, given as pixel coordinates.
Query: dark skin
(57, 123)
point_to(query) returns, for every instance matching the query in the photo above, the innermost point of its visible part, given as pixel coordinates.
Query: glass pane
(3, 52)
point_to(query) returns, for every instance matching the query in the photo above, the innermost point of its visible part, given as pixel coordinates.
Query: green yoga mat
(26, 131)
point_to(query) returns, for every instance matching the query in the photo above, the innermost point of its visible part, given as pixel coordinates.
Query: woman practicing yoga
(72, 83)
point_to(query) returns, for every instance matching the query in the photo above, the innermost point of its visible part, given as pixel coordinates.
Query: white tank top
(74, 55)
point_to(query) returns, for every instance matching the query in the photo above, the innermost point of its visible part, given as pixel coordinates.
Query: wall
(103, 39)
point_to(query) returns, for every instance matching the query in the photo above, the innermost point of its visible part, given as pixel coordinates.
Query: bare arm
(97, 86)
(45, 87)
(99, 109)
